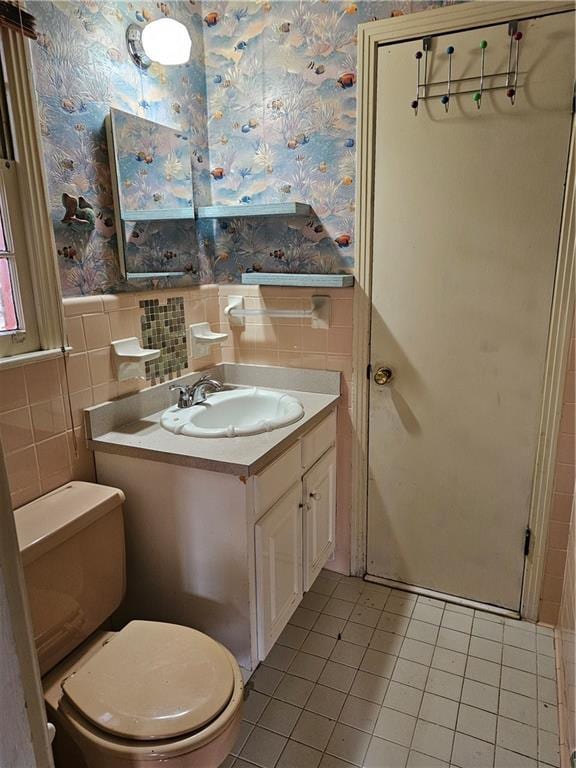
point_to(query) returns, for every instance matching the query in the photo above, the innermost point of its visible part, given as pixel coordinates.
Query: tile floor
(368, 676)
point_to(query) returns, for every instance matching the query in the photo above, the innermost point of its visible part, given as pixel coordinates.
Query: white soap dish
(202, 338)
(130, 358)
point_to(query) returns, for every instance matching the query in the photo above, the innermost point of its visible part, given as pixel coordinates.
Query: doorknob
(383, 376)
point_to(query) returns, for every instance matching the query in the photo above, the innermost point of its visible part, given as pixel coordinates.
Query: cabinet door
(319, 495)
(278, 567)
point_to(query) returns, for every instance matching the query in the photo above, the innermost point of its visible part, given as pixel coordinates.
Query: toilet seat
(153, 681)
(204, 747)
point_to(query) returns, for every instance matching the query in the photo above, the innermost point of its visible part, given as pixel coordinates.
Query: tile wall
(37, 432)
(558, 549)
(566, 653)
(35, 426)
(36, 429)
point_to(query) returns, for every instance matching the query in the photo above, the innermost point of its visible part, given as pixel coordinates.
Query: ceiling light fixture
(165, 41)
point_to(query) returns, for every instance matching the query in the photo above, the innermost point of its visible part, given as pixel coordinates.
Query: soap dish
(202, 338)
(130, 358)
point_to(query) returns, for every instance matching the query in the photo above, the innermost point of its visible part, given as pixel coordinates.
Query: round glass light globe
(166, 41)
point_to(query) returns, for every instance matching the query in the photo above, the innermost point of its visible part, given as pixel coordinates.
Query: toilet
(152, 693)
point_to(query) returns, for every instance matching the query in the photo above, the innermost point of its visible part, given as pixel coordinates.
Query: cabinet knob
(315, 495)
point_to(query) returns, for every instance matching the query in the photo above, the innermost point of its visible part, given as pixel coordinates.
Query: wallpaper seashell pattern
(268, 101)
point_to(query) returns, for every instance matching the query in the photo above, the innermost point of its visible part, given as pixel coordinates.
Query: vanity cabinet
(319, 513)
(278, 541)
(227, 554)
(294, 537)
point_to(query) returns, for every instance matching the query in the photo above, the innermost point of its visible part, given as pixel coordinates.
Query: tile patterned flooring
(378, 678)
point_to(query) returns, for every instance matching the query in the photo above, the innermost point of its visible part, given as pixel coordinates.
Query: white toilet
(151, 694)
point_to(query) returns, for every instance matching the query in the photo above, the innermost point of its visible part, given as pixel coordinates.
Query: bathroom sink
(234, 413)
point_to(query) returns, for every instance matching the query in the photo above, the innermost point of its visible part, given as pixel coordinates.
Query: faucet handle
(184, 396)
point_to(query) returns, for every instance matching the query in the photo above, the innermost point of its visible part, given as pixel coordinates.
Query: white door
(467, 207)
(319, 497)
(278, 567)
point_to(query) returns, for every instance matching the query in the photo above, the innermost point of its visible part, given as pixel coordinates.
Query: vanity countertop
(131, 426)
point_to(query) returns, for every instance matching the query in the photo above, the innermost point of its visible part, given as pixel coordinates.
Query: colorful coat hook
(477, 97)
(513, 53)
(414, 103)
(511, 74)
(445, 99)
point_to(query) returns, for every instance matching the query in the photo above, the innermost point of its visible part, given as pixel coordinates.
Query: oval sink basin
(234, 413)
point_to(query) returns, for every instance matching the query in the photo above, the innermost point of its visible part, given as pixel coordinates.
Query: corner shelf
(266, 209)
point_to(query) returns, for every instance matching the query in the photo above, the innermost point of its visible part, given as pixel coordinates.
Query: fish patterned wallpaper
(268, 100)
(82, 68)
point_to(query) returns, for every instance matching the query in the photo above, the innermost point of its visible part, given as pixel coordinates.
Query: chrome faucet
(199, 389)
(196, 393)
(184, 395)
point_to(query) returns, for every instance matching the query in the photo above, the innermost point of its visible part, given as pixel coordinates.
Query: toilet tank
(72, 547)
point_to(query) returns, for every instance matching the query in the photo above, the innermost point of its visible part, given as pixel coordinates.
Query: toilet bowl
(153, 693)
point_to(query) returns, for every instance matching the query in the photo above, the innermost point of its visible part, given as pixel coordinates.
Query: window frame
(25, 337)
(33, 237)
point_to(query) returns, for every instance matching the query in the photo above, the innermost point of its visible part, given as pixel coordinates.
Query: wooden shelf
(300, 280)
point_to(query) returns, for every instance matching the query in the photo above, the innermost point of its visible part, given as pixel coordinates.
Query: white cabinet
(278, 537)
(317, 441)
(294, 534)
(319, 515)
(226, 554)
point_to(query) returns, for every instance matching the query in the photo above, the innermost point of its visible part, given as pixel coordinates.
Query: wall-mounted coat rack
(319, 311)
(423, 85)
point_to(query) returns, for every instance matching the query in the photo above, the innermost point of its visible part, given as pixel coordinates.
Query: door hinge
(369, 371)
(527, 540)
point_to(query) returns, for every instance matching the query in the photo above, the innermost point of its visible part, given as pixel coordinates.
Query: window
(8, 298)
(30, 301)
(18, 328)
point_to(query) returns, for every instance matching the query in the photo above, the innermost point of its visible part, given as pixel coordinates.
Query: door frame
(469, 15)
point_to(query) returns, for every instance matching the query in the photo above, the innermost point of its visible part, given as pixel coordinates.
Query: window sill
(28, 358)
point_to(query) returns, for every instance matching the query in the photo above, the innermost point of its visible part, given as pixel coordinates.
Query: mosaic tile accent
(164, 328)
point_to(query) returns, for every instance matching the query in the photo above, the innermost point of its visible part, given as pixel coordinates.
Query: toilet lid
(153, 681)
